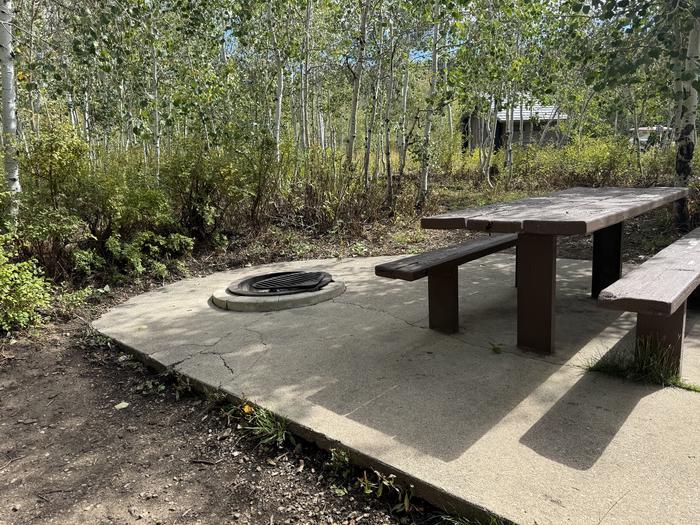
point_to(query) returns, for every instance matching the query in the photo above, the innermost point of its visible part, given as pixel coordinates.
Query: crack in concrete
(209, 345)
(517, 353)
(261, 339)
(172, 366)
(226, 365)
(370, 309)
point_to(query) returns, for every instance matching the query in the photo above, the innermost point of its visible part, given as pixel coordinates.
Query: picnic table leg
(607, 258)
(443, 300)
(664, 334)
(694, 300)
(537, 270)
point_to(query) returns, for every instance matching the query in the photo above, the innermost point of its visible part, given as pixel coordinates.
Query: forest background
(140, 133)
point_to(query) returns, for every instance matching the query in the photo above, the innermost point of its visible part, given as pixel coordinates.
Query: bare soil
(69, 455)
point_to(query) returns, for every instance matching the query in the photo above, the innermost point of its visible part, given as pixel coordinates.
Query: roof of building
(537, 112)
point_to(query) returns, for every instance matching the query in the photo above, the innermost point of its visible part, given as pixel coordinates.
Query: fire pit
(278, 291)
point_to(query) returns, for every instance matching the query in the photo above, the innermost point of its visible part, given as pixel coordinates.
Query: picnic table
(538, 221)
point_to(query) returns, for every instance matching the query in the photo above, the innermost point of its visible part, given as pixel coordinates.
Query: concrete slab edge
(440, 498)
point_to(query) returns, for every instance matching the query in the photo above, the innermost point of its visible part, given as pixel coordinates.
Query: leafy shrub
(23, 290)
(69, 302)
(81, 219)
(208, 186)
(148, 252)
(588, 161)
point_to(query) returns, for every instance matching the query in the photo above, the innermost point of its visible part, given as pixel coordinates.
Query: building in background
(536, 125)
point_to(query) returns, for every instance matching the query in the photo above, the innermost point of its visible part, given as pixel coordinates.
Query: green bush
(208, 188)
(588, 161)
(585, 162)
(148, 252)
(23, 290)
(82, 218)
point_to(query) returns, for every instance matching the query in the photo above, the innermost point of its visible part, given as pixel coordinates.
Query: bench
(440, 266)
(659, 291)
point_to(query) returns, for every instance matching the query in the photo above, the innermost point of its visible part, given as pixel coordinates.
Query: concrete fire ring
(242, 303)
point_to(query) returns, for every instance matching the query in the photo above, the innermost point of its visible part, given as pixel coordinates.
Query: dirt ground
(69, 454)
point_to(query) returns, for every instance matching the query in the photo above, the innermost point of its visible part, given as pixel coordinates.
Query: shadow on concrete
(368, 356)
(377, 377)
(581, 425)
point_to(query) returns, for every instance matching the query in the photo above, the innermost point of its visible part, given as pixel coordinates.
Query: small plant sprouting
(264, 425)
(496, 348)
(150, 386)
(179, 383)
(380, 484)
(648, 362)
(339, 463)
(339, 490)
(446, 519)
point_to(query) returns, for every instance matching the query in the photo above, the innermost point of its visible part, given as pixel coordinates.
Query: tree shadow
(368, 356)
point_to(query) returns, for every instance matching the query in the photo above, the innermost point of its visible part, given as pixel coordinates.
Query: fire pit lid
(281, 283)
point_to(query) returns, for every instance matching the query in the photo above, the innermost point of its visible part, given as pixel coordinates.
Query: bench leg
(443, 300)
(516, 266)
(666, 331)
(607, 258)
(694, 300)
(537, 272)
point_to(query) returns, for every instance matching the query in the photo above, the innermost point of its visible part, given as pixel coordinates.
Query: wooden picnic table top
(570, 212)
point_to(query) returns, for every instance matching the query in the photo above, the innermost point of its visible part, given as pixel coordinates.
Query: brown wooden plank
(568, 212)
(418, 266)
(660, 285)
(588, 216)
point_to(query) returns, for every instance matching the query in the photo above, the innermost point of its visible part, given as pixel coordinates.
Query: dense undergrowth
(90, 219)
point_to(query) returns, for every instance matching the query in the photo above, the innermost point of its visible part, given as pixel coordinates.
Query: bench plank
(418, 266)
(662, 284)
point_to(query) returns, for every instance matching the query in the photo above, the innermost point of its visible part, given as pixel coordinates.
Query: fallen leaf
(121, 406)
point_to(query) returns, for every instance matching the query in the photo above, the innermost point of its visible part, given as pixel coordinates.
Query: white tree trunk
(86, 121)
(636, 117)
(425, 157)
(686, 117)
(521, 125)
(387, 123)
(357, 83)
(488, 142)
(446, 78)
(278, 107)
(9, 105)
(71, 111)
(510, 130)
(305, 77)
(403, 145)
(551, 119)
(156, 102)
(373, 116)
(322, 131)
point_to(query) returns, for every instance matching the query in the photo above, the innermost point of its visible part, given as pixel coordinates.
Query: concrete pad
(468, 418)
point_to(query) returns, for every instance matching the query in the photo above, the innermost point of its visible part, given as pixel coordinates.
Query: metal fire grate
(281, 283)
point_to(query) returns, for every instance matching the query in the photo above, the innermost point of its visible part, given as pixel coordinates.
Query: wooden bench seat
(658, 291)
(440, 266)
